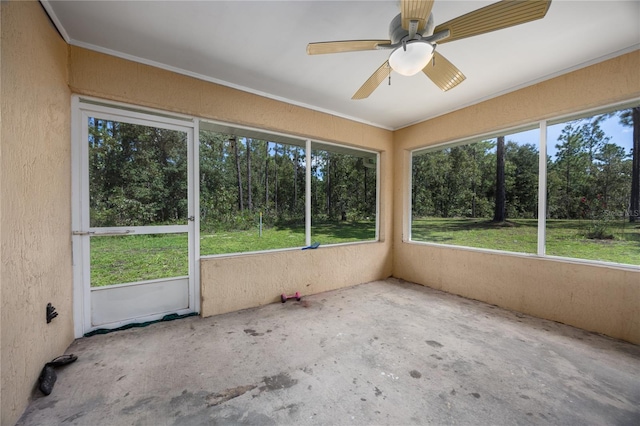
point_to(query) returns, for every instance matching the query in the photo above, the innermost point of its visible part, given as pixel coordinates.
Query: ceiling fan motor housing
(397, 33)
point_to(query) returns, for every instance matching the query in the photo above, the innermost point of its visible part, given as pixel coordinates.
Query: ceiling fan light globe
(411, 61)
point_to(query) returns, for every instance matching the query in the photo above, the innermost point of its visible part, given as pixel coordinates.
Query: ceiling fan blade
(443, 73)
(373, 82)
(497, 16)
(344, 46)
(415, 10)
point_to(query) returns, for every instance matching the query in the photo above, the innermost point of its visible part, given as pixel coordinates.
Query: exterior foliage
(589, 177)
(342, 188)
(137, 174)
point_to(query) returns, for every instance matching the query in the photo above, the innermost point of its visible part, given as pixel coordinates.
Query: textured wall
(598, 298)
(243, 282)
(35, 205)
(237, 282)
(108, 77)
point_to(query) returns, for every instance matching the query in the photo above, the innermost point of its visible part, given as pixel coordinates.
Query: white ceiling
(260, 47)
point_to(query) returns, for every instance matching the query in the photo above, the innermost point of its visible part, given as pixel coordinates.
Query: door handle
(104, 234)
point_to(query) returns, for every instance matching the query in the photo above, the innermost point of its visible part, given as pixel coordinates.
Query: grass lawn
(123, 259)
(564, 238)
(130, 258)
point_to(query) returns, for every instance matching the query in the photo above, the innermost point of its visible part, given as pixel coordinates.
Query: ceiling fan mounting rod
(413, 28)
(432, 39)
(402, 43)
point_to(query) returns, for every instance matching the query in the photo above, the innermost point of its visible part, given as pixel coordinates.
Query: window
(480, 194)
(137, 178)
(343, 194)
(253, 192)
(589, 181)
(592, 188)
(137, 174)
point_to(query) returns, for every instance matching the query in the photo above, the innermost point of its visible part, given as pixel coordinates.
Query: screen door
(135, 228)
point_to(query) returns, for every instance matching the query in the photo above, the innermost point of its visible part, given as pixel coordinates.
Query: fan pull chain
(389, 79)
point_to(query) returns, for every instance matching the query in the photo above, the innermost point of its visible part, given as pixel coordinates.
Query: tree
(137, 174)
(249, 203)
(610, 177)
(632, 118)
(572, 163)
(266, 176)
(593, 137)
(234, 144)
(500, 207)
(521, 171)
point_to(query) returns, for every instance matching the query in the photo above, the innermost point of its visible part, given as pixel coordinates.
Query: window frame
(542, 184)
(307, 145)
(129, 112)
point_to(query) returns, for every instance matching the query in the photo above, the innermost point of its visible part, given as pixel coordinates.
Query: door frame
(82, 107)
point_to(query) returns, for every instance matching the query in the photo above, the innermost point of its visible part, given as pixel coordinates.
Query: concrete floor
(387, 352)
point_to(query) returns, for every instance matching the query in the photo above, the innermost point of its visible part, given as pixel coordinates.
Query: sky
(620, 135)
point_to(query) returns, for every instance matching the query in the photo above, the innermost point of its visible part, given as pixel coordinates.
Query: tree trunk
(365, 200)
(634, 206)
(249, 202)
(295, 179)
(328, 186)
(567, 191)
(275, 169)
(234, 143)
(473, 186)
(500, 211)
(266, 176)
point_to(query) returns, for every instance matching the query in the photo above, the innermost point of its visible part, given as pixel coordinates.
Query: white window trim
(308, 145)
(542, 186)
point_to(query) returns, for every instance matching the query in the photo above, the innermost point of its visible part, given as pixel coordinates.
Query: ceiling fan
(414, 37)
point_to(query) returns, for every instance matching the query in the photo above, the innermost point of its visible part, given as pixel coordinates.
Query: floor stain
(279, 381)
(241, 417)
(252, 332)
(434, 344)
(48, 404)
(139, 404)
(475, 395)
(293, 408)
(228, 394)
(378, 391)
(73, 417)
(187, 399)
(415, 374)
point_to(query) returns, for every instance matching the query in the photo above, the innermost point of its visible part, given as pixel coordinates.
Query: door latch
(191, 218)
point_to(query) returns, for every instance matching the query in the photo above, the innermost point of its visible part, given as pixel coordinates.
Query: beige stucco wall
(253, 280)
(597, 298)
(236, 282)
(108, 77)
(35, 241)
